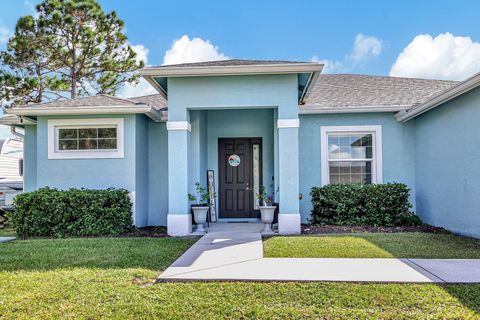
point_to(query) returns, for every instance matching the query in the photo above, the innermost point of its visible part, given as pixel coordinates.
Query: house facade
(237, 125)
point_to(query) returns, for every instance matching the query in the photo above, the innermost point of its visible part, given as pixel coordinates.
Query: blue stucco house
(249, 123)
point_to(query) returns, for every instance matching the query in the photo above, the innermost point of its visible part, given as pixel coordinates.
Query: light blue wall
(141, 170)
(189, 98)
(157, 174)
(129, 172)
(448, 165)
(398, 143)
(257, 91)
(86, 173)
(30, 158)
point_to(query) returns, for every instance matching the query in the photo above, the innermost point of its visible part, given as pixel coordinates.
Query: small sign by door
(211, 191)
(234, 160)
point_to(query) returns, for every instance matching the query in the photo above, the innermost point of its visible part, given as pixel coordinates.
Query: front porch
(266, 153)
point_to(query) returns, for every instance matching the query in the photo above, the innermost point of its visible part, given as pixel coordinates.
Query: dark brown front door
(236, 177)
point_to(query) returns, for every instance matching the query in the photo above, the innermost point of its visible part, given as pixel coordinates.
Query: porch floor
(242, 227)
(234, 251)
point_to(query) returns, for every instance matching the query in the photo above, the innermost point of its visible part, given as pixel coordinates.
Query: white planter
(267, 213)
(200, 217)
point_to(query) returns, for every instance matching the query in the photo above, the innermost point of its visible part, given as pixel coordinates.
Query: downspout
(15, 133)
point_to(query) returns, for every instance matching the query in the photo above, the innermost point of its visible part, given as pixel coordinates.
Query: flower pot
(200, 217)
(267, 213)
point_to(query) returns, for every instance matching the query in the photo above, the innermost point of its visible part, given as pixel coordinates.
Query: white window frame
(55, 124)
(376, 131)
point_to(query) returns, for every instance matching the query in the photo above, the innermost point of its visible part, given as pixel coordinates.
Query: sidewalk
(239, 256)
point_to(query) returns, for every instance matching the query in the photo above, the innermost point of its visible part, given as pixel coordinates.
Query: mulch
(147, 232)
(329, 229)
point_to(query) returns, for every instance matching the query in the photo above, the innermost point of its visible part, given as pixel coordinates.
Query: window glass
(256, 175)
(350, 157)
(86, 138)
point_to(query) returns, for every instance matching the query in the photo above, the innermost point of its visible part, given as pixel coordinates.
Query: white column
(179, 220)
(289, 215)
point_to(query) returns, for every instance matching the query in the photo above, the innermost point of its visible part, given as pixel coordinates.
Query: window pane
(350, 172)
(85, 144)
(87, 133)
(67, 133)
(350, 146)
(67, 145)
(256, 175)
(107, 132)
(107, 144)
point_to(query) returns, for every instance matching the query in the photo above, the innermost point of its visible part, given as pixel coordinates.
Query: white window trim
(54, 124)
(377, 172)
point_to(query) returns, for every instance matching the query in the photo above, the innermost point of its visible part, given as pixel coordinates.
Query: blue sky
(293, 30)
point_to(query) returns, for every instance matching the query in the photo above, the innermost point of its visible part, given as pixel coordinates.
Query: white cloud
(364, 49)
(143, 87)
(185, 50)
(31, 7)
(330, 66)
(141, 51)
(445, 56)
(5, 34)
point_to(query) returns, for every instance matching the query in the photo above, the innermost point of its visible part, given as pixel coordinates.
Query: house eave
(230, 70)
(14, 120)
(314, 109)
(461, 88)
(149, 111)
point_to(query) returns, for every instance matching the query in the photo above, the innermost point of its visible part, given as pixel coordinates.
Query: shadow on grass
(467, 295)
(106, 253)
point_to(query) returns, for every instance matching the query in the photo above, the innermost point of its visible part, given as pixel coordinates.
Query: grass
(374, 245)
(113, 278)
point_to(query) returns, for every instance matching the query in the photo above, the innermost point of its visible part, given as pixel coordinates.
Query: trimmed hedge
(50, 212)
(365, 205)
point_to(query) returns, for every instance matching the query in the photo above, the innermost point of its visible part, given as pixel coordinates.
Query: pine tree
(71, 48)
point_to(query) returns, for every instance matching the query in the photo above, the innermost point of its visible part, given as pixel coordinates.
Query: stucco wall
(157, 174)
(241, 123)
(129, 172)
(398, 146)
(448, 165)
(30, 158)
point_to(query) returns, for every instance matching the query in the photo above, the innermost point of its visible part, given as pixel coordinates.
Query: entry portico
(237, 102)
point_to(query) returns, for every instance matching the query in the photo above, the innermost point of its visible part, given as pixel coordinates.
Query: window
(85, 138)
(351, 155)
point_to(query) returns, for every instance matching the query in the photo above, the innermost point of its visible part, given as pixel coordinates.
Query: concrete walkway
(238, 255)
(7, 239)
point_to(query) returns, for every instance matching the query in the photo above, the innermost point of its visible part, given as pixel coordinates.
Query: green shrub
(73, 212)
(366, 205)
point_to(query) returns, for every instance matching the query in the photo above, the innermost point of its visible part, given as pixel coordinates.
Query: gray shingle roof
(349, 90)
(229, 62)
(155, 100)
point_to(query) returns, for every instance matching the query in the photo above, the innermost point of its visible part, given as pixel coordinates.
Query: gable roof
(347, 92)
(155, 100)
(453, 92)
(228, 62)
(154, 106)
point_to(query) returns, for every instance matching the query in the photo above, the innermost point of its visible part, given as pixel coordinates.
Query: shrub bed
(363, 205)
(74, 212)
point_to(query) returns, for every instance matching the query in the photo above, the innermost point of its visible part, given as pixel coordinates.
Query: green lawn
(113, 278)
(374, 245)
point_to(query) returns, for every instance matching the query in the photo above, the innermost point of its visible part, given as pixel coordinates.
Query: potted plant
(200, 206)
(267, 211)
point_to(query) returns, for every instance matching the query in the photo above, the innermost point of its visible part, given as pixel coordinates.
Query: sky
(437, 39)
